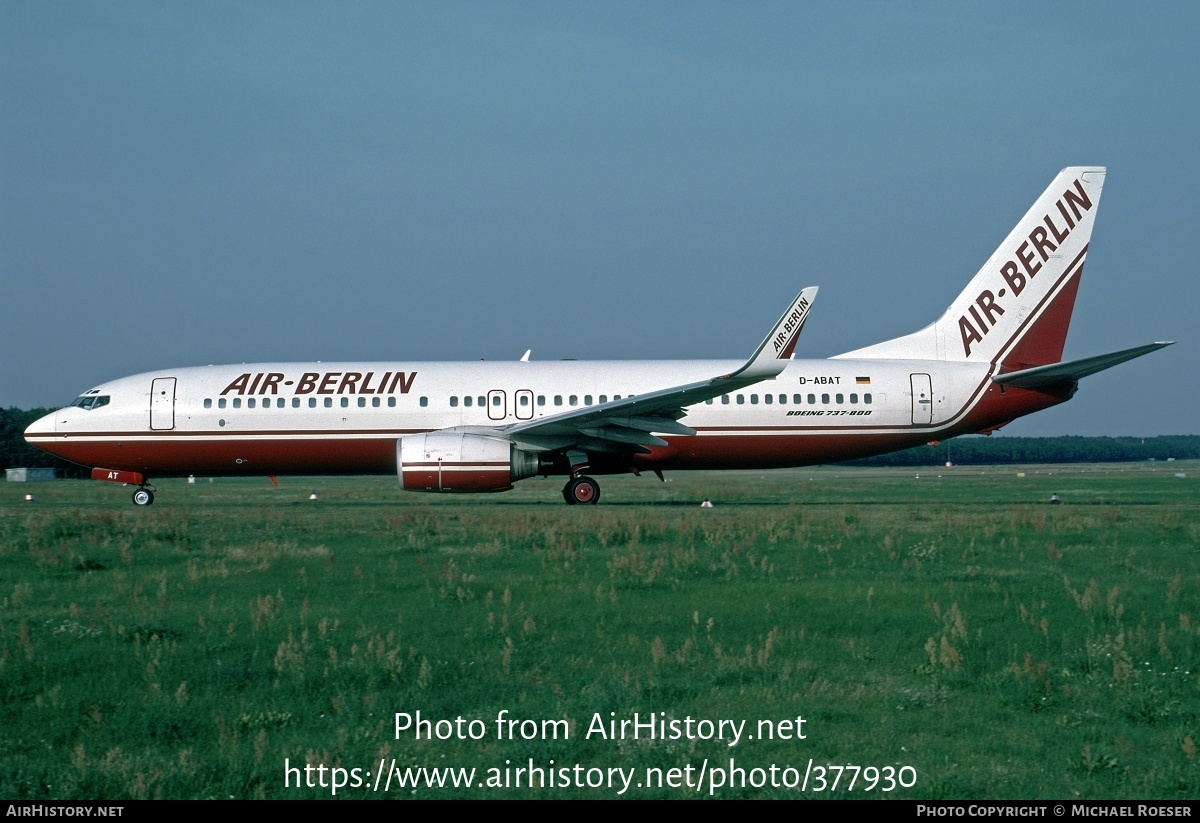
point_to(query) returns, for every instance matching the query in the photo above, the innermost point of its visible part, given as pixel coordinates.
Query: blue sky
(193, 183)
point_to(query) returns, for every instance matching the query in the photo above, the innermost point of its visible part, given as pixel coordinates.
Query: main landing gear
(581, 490)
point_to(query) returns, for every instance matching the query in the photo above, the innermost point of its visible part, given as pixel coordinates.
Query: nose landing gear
(144, 496)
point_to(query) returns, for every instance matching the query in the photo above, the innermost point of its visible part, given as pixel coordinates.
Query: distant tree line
(973, 450)
(966, 451)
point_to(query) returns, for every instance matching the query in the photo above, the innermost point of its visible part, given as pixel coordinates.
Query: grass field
(954, 623)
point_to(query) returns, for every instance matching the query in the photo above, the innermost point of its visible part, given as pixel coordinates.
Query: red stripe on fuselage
(170, 456)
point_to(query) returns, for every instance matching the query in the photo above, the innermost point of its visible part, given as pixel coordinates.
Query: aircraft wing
(626, 424)
(1058, 373)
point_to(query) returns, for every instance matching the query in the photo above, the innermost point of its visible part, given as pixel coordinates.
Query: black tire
(143, 497)
(582, 490)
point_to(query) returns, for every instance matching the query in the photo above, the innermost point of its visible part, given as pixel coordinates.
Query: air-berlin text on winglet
(1070, 206)
(330, 382)
(796, 316)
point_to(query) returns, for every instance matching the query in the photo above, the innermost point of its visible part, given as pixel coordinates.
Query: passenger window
(424, 402)
(587, 400)
(853, 398)
(391, 402)
(708, 402)
(453, 401)
(312, 402)
(329, 402)
(741, 399)
(374, 402)
(482, 401)
(768, 399)
(345, 402)
(841, 398)
(604, 398)
(295, 402)
(362, 402)
(797, 399)
(541, 400)
(524, 400)
(866, 398)
(208, 402)
(782, 399)
(250, 403)
(725, 400)
(824, 398)
(467, 400)
(237, 402)
(496, 400)
(754, 400)
(812, 398)
(221, 403)
(616, 397)
(574, 401)
(558, 399)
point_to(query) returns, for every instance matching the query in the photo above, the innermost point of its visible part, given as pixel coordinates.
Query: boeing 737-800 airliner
(993, 356)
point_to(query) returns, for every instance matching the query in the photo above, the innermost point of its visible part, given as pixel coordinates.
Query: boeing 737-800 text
(993, 356)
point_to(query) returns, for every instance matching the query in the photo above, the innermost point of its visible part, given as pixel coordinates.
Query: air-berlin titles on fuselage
(1071, 206)
(330, 382)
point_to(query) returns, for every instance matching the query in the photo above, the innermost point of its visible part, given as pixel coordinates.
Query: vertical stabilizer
(1015, 312)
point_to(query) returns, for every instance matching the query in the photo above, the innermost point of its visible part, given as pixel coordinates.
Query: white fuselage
(345, 418)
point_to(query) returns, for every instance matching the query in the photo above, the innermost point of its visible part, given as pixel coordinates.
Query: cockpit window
(92, 401)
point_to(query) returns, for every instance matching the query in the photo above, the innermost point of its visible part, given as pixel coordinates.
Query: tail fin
(1015, 312)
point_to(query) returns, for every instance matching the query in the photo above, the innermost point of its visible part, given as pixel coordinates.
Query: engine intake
(461, 462)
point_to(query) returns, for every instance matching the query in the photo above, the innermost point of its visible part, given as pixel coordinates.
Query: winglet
(771, 356)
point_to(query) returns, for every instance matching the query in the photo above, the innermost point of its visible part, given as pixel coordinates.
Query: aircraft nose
(43, 425)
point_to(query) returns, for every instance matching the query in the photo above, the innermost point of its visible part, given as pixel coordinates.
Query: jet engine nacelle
(461, 462)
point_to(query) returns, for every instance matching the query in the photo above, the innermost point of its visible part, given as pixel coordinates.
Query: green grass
(955, 623)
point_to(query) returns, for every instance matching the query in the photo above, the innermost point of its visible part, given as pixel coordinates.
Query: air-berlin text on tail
(793, 321)
(1024, 265)
(330, 382)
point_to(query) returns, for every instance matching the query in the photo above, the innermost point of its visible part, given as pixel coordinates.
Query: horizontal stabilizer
(1058, 373)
